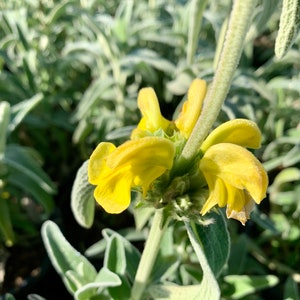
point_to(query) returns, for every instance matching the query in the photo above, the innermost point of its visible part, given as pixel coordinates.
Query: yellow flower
(152, 120)
(234, 176)
(133, 164)
(137, 163)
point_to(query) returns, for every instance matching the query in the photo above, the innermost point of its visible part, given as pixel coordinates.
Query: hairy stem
(238, 26)
(149, 255)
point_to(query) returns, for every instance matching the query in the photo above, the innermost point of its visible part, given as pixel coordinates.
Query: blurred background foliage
(70, 72)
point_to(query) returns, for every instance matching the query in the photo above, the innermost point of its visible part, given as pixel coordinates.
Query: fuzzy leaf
(174, 292)
(105, 278)
(131, 253)
(244, 285)
(209, 288)
(65, 258)
(215, 241)
(115, 259)
(82, 199)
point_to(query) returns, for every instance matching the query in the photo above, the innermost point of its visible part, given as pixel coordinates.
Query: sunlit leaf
(73, 267)
(244, 285)
(82, 199)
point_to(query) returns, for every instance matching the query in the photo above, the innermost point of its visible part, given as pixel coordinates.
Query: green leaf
(265, 12)
(291, 291)
(215, 242)
(75, 280)
(86, 292)
(189, 274)
(288, 27)
(132, 254)
(30, 75)
(97, 249)
(122, 258)
(142, 215)
(164, 268)
(123, 132)
(4, 120)
(93, 96)
(115, 259)
(105, 278)
(22, 35)
(174, 292)
(57, 11)
(32, 188)
(20, 110)
(238, 255)
(209, 288)
(82, 199)
(23, 159)
(263, 221)
(286, 175)
(244, 285)
(72, 283)
(9, 297)
(65, 258)
(25, 173)
(150, 57)
(35, 297)
(6, 227)
(128, 234)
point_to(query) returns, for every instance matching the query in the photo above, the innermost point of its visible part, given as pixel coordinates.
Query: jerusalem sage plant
(184, 170)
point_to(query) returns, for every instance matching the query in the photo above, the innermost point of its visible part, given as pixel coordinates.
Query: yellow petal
(235, 197)
(97, 162)
(191, 108)
(237, 167)
(113, 194)
(239, 131)
(152, 119)
(147, 152)
(146, 176)
(135, 163)
(218, 195)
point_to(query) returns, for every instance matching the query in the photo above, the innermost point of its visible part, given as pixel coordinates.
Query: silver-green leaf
(82, 199)
(73, 267)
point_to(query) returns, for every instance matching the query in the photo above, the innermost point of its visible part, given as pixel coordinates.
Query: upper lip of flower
(191, 109)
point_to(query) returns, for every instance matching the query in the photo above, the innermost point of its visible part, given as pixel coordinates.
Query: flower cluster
(231, 174)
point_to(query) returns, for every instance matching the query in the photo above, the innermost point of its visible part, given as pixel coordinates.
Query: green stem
(239, 22)
(149, 255)
(197, 8)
